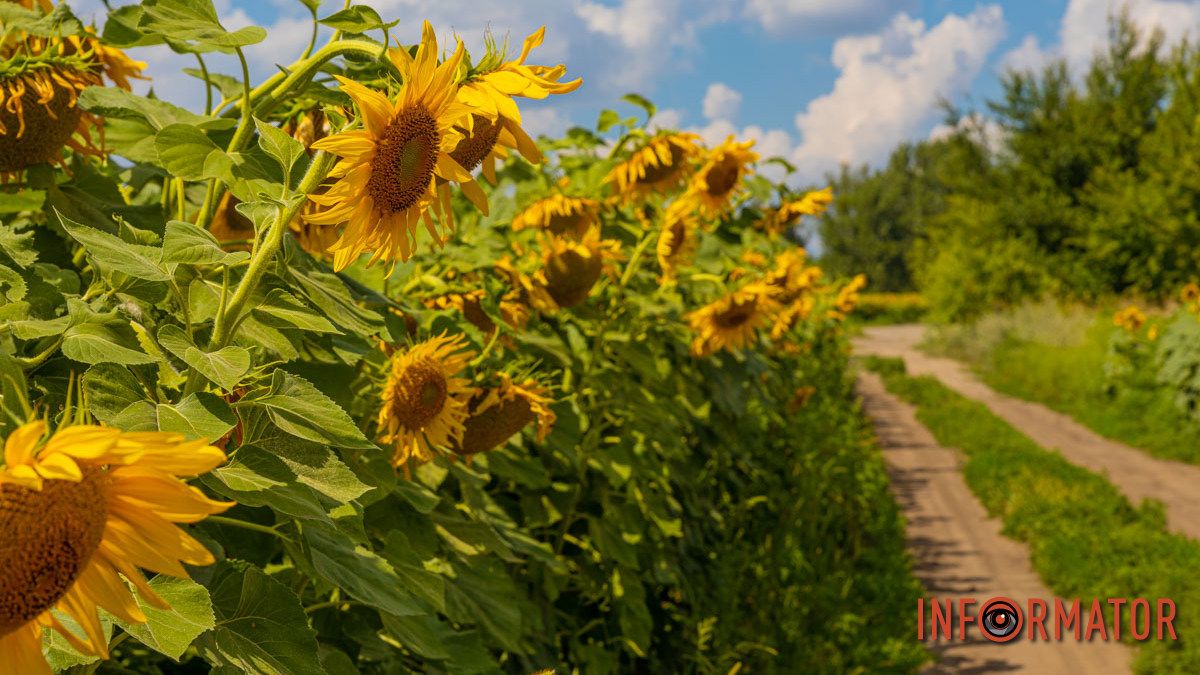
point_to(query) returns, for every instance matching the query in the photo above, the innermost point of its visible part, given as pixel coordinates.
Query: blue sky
(820, 82)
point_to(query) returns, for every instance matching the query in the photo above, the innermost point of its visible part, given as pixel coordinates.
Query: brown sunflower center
(38, 117)
(738, 313)
(476, 146)
(678, 234)
(663, 172)
(489, 429)
(405, 157)
(722, 177)
(420, 394)
(570, 276)
(47, 539)
(576, 223)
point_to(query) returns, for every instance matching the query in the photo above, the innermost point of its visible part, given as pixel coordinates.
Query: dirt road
(1138, 475)
(959, 551)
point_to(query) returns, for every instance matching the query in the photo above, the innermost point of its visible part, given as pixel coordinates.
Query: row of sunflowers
(348, 373)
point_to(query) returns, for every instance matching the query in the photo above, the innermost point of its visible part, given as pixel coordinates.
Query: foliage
(684, 514)
(1085, 539)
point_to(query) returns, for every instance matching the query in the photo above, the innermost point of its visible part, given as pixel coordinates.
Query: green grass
(1085, 539)
(1066, 373)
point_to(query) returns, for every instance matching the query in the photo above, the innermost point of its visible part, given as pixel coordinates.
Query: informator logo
(1002, 619)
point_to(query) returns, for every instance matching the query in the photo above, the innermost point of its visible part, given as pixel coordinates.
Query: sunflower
(425, 399)
(781, 219)
(677, 240)
(495, 126)
(716, 183)
(847, 297)
(799, 309)
(1130, 318)
(469, 304)
(732, 322)
(560, 215)
(572, 267)
(790, 275)
(234, 230)
(499, 413)
(82, 513)
(528, 293)
(1190, 294)
(389, 170)
(656, 167)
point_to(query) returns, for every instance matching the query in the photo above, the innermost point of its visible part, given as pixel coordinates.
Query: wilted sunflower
(713, 187)
(425, 399)
(495, 126)
(388, 172)
(80, 514)
(40, 81)
(678, 238)
(560, 215)
(731, 322)
(656, 167)
(572, 267)
(499, 413)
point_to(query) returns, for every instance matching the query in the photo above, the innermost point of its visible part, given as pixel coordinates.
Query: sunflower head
(572, 267)
(714, 186)
(847, 297)
(655, 168)
(778, 220)
(425, 398)
(1190, 294)
(395, 172)
(1131, 319)
(732, 321)
(499, 413)
(790, 275)
(469, 304)
(678, 238)
(560, 215)
(82, 511)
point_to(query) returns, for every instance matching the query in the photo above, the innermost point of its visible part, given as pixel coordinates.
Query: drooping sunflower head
(469, 305)
(657, 167)
(572, 267)
(779, 220)
(797, 309)
(388, 176)
(564, 216)
(425, 398)
(499, 413)
(719, 179)
(527, 295)
(732, 321)
(790, 275)
(678, 238)
(83, 511)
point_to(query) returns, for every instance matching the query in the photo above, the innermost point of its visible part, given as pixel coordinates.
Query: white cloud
(1084, 29)
(544, 120)
(822, 17)
(889, 86)
(721, 101)
(666, 118)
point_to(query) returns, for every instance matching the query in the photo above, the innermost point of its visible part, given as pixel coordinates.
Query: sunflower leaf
(356, 19)
(193, 26)
(225, 367)
(282, 310)
(185, 151)
(186, 243)
(113, 253)
(300, 409)
(200, 415)
(172, 631)
(280, 146)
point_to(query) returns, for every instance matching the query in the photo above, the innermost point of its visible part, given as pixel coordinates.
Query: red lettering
(920, 619)
(1063, 618)
(1116, 605)
(1133, 619)
(963, 617)
(1095, 622)
(940, 619)
(1037, 619)
(1166, 617)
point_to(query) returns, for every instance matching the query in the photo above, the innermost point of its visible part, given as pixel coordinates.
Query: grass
(1056, 356)
(875, 309)
(1085, 539)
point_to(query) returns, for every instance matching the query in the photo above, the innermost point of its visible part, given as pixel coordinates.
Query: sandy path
(959, 551)
(1138, 475)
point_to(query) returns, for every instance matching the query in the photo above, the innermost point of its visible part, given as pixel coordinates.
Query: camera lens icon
(1000, 620)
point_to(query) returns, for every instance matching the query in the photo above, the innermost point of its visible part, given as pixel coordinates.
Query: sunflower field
(347, 373)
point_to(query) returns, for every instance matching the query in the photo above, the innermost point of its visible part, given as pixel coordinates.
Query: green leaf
(300, 409)
(260, 628)
(115, 103)
(171, 631)
(18, 245)
(12, 285)
(140, 262)
(608, 119)
(25, 200)
(117, 399)
(186, 243)
(32, 329)
(282, 310)
(196, 22)
(327, 293)
(641, 102)
(230, 87)
(13, 392)
(256, 477)
(187, 152)
(280, 146)
(356, 19)
(200, 415)
(225, 367)
(103, 340)
(358, 571)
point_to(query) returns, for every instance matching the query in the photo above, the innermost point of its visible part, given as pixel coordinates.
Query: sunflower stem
(208, 85)
(253, 527)
(635, 258)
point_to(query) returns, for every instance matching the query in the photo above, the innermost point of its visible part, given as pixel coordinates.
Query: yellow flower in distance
(1190, 295)
(655, 168)
(495, 127)
(81, 513)
(714, 186)
(678, 238)
(425, 398)
(847, 297)
(499, 413)
(389, 169)
(732, 322)
(1130, 318)
(560, 215)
